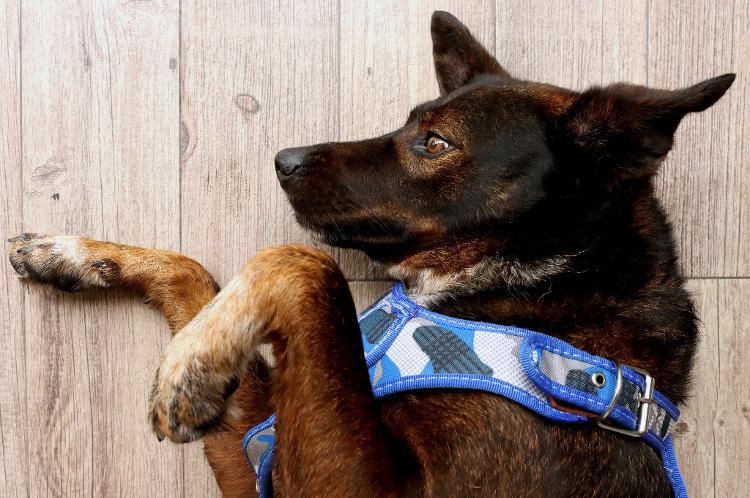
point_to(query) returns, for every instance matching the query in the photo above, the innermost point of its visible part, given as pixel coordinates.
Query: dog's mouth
(327, 209)
(339, 230)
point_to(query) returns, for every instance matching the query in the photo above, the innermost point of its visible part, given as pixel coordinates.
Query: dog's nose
(289, 161)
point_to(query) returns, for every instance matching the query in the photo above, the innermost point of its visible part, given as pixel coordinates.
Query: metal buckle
(646, 400)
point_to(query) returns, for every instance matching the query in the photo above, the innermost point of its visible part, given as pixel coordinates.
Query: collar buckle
(645, 401)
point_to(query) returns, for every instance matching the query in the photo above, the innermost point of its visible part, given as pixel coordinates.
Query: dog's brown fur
(541, 215)
(180, 287)
(266, 302)
(77, 263)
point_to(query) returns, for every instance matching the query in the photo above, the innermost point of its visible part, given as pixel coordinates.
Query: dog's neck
(430, 284)
(526, 262)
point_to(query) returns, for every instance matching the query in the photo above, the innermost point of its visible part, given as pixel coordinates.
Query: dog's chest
(485, 445)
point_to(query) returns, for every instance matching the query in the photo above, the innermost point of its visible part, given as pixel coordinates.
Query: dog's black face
(461, 163)
(494, 161)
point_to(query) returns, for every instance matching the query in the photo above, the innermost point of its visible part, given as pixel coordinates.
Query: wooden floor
(155, 123)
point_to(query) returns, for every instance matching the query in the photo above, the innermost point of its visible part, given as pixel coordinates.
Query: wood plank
(694, 433)
(366, 293)
(198, 477)
(256, 77)
(386, 64)
(711, 437)
(732, 423)
(705, 177)
(571, 43)
(100, 157)
(14, 464)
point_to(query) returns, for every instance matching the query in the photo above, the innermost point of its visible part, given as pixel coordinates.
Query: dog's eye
(435, 145)
(432, 145)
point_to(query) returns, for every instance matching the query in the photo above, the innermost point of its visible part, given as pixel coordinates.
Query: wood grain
(732, 423)
(256, 77)
(694, 433)
(572, 43)
(100, 144)
(711, 438)
(13, 439)
(366, 293)
(705, 177)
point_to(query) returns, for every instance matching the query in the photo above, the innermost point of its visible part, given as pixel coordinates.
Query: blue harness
(408, 347)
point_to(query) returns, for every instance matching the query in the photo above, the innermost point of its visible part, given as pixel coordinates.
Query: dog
(503, 201)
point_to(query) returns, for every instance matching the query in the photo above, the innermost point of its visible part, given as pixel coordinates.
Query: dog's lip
(341, 233)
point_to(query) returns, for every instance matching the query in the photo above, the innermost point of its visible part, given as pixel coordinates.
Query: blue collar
(408, 347)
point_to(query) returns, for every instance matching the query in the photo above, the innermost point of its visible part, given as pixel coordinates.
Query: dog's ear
(458, 56)
(624, 131)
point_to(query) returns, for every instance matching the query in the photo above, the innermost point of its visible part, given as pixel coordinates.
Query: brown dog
(501, 201)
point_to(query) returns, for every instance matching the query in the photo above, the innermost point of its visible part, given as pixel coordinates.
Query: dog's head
(495, 166)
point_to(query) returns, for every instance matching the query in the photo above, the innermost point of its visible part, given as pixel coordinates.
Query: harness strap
(622, 398)
(259, 444)
(408, 347)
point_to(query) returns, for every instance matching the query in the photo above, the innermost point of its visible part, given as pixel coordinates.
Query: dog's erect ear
(625, 130)
(458, 56)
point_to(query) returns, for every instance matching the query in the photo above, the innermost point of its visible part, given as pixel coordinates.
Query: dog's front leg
(176, 284)
(330, 438)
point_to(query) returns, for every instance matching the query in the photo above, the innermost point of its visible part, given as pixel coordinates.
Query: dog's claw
(24, 237)
(19, 268)
(231, 386)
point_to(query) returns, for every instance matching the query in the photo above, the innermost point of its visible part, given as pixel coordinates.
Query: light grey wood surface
(711, 438)
(13, 413)
(156, 123)
(732, 423)
(704, 182)
(100, 116)
(695, 441)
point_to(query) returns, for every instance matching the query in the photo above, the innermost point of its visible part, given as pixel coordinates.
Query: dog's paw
(189, 395)
(63, 261)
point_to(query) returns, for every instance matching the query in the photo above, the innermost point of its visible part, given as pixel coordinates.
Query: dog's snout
(289, 161)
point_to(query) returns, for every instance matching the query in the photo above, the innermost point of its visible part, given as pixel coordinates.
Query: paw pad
(57, 260)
